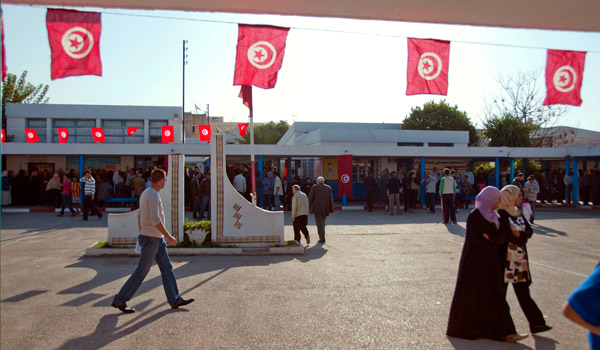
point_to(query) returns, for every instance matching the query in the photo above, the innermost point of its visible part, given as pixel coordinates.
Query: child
(527, 213)
(75, 194)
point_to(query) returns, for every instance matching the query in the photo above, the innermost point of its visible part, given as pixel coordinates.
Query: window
(40, 128)
(115, 131)
(156, 130)
(361, 167)
(79, 130)
(410, 144)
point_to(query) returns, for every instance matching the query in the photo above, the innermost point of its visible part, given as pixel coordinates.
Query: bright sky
(336, 70)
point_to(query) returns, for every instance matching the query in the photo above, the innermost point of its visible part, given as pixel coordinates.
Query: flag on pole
(131, 130)
(204, 132)
(246, 95)
(259, 56)
(98, 135)
(168, 134)
(345, 176)
(427, 71)
(564, 73)
(31, 135)
(63, 134)
(74, 38)
(243, 127)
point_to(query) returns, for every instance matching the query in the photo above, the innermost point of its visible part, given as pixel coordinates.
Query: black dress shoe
(182, 302)
(322, 242)
(540, 329)
(123, 308)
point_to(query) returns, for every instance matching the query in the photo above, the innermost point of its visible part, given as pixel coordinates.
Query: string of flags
(74, 38)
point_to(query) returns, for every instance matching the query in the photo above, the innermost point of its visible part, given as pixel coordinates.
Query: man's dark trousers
(370, 199)
(300, 226)
(320, 220)
(88, 204)
(448, 206)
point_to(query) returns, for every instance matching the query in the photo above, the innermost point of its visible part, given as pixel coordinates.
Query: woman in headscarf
(6, 199)
(479, 308)
(515, 257)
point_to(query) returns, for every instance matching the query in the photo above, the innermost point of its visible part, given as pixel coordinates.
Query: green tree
(20, 91)
(508, 130)
(266, 134)
(440, 116)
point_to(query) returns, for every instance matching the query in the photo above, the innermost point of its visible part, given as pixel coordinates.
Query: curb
(105, 252)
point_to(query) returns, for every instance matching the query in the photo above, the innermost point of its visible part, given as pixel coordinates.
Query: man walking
(300, 214)
(89, 191)
(369, 183)
(321, 204)
(393, 193)
(151, 223)
(447, 192)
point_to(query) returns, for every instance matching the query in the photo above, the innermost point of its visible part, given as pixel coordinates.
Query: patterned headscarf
(485, 201)
(509, 194)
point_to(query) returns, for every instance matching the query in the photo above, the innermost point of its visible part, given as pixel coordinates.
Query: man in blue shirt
(583, 307)
(268, 185)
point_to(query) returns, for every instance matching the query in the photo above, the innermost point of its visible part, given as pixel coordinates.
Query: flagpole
(252, 159)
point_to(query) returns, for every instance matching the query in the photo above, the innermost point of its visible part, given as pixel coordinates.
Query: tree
(521, 97)
(508, 130)
(267, 134)
(20, 91)
(440, 116)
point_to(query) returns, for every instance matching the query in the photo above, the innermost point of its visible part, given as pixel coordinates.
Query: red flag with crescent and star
(3, 136)
(427, 71)
(204, 132)
(98, 135)
(74, 38)
(259, 56)
(131, 130)
(63, 134)
(31, 135)
(168, 134)
(243, 127)
(344, 164)
(564, 73)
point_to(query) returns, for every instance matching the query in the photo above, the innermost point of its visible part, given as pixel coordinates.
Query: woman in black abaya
(479, 308)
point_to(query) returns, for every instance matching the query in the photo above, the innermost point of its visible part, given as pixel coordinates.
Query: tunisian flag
(427, 71)
(31, 135)
(168, 134)
(564, 73)
(243, 127)
(74, 38)
(63, 134)
(259, 55)
(344, 164)
(204, 132)
(3, 136)
(131, 130)
(98, 135)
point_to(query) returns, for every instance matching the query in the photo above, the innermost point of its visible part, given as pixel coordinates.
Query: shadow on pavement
(456, 229)
(464, 344)
(547, 231)
(23, 296)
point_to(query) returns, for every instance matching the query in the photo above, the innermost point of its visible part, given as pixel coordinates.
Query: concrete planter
(197, 236)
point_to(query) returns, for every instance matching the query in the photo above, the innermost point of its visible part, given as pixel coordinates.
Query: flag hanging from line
(3, 136)
(168, 134)
(63, 134)
(131, 130)
(564, 73)
(31, 135)
(427, 69)
(246, 96)
(98, 135)
(344, 164)
(259, 56)
(243, 127)
(74, 38)
(204, 132)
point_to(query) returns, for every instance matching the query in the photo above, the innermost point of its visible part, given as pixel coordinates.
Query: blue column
(259, 190)
(423, 184)
(81, 170)
(497, 172)
(344, 200)
(512, 170)
(567, 166)
(544, 165)
(575, 182)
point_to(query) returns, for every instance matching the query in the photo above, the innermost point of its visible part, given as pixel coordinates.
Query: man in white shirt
(239, 182)
(447, 192)
(277, 192)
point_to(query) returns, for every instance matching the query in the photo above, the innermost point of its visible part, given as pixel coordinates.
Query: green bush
(191, 225)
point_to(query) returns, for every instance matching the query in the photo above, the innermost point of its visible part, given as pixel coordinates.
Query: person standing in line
(6, 197)
(586, 183)
(89, 191)
(307, 186)
(287, 195)
(300, 214)
(205, 194)
(393, 193)
(138, 185)
(239, 182)
(479, 308)
(413, 185)
(469, 174)
(595, 185)
(153, 233)
(268, 185)
(277, 191)
(383, 180)
(467, 190)
(76, 194)
(561, 186)
(531, 190)
(543, 186)
(196, 197)
(515, 257)
(369, 183)
(321, 205)
(582, 307)
(430, 185)
(66, 197)
(53, 188)
(568, 181)
(447, 192)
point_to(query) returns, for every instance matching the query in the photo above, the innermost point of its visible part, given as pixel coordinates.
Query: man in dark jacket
(321, 204)
(369, 183)
(205, 194)
(195, 192)
(393, 193)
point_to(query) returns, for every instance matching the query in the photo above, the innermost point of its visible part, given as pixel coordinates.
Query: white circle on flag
(30, 135)
(167, 133)
(204, 132)
(564, 79)
(429, 66)
(98, 134)
(262, 54)
(77, 42)
(345, 178)
(63, 134)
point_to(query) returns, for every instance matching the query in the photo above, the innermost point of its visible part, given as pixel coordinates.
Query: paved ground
(380, 282)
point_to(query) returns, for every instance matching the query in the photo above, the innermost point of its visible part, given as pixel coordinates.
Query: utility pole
(208, 114)
(184, 63)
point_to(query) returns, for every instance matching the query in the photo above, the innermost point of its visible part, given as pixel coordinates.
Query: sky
(334, 70)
